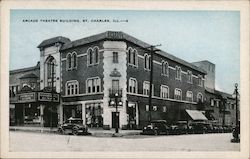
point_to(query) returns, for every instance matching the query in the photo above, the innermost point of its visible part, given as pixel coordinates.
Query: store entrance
(115, 119)
(94, 113)
(131, 111)
(50, 116)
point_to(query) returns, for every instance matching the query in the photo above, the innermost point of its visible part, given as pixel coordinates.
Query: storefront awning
(196, 115)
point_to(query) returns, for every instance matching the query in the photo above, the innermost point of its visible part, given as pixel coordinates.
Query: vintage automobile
(73, 126)
(156, 127)
(199, 127)
(180, 127)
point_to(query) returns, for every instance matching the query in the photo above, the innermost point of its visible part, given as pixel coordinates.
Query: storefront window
(94, 113)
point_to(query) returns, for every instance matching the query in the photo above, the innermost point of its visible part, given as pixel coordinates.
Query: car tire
(75, 130)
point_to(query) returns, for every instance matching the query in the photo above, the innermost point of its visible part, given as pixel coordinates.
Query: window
(115, 85)
(147, 108)
(68, 62)
(132, 57)
(146, 88)
(217, 103)
(199, 97)
(115, 57)
(178, 72)
(96, 55)
(164, 109)
(93, 85)
(164, 92)
(154, 108)
(189, 96)
(212, 102)
(132, 85)
(13, 90)
(200, 80)
(164, 68)
(74, 60)
(72, 87)
(90, 56)
(177, 94)
(190, 79)
(147, 64)
(232, 106)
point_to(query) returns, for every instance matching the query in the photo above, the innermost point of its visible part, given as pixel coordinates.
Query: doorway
(115, 119)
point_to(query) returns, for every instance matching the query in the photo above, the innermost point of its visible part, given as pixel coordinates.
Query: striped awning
(196, 115)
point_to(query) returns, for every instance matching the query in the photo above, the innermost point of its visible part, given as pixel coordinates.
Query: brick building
(87, 72)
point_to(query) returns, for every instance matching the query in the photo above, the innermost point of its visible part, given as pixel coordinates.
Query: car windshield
(76, 121)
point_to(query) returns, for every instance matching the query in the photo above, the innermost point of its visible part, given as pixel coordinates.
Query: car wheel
(61, 131)
(75, 130)
(156, 132)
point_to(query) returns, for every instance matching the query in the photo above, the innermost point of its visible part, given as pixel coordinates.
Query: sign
(47, 97)
(27, 97)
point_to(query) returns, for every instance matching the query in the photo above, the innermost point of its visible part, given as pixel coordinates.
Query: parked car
(215, 128)
(156, 127)
(209, 128)
(182, 127)
(73, 126)
(199, 127)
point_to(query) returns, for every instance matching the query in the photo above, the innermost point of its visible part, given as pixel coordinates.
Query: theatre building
(94, 68)
(89, 75)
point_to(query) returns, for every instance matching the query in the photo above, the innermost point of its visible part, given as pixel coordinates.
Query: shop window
(178, 94)
(164, 91)
(189, 96)
(72, 87)
(94, 85)
(132, 85)
(94, 113)
(147, 108)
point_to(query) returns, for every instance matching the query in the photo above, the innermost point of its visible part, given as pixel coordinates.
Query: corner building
(92, 69)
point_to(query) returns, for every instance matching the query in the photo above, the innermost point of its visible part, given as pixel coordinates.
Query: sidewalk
(98, 132)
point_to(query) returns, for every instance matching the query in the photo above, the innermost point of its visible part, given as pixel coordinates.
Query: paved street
(30, 141)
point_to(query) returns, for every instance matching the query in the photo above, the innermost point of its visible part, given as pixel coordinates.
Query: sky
(190, 35)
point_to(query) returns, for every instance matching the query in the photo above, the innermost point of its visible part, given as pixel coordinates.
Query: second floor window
(115, 57)
(199, 97)
(93, 85)
(132, 85)
(93, 56)
(178, 94)
(164, 68)
(71, 61)
(147, 63)
(189, 96)
(200, 80)
(164, 92)
(146, 88)
(72, 87)
(189, 74)
(132, 57)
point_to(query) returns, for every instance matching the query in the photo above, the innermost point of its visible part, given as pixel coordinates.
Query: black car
(209, 128)
(199, 127)
(180, 127)
(73, 126)
(156, 127)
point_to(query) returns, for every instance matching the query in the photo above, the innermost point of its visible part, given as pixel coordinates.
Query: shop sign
(27, 97)
(47, 97)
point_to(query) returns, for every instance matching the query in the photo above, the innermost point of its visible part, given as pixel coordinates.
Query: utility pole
(52, 85)
(152, 51)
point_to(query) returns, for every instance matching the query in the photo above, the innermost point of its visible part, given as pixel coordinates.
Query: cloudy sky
(190, 35)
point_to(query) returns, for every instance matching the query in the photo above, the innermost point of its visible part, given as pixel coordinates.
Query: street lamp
(116, 103)
(237, 127)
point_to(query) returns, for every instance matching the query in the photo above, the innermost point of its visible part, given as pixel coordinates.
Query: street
(30, 141)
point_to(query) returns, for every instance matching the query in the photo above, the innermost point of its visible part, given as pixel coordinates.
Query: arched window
(72, 87)
(178, 94)
(199, 97)
(166, 68)
(68, 62)
(149, 62)
(146, 61)
(178, 72)
(96, 55)
(164, 91)
(134, 57)
(129, 55)
(51, 70)
(90, 56)
(189, 96)
(163, 67)
(74, 60)
(189, 74)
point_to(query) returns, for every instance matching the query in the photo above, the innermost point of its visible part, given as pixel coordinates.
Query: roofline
(24, 69)
(126, 37)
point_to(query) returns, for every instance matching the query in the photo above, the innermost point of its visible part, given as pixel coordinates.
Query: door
(115, 119)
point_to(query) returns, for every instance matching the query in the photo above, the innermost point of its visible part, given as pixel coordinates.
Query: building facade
(86, 73)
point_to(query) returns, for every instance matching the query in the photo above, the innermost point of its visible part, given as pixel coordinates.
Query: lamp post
(116, 103)
(237, 126)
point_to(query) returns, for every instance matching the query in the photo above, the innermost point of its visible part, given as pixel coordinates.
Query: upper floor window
(200, 80)
(189, 96)
(212, 102)
(189, 76)
(94, 85)
(115, 57)
(72, 87)
(178, 94)
(132, 56)
(164, 91)
(147, 63)
(74, 60)
(68, 62)
(164, 68)
(199, 97)
(178, 72)
(93, 56)
(132, 85)
(146, 88)
(14, 90)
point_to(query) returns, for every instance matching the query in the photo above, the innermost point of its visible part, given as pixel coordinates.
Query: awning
(196, 115)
